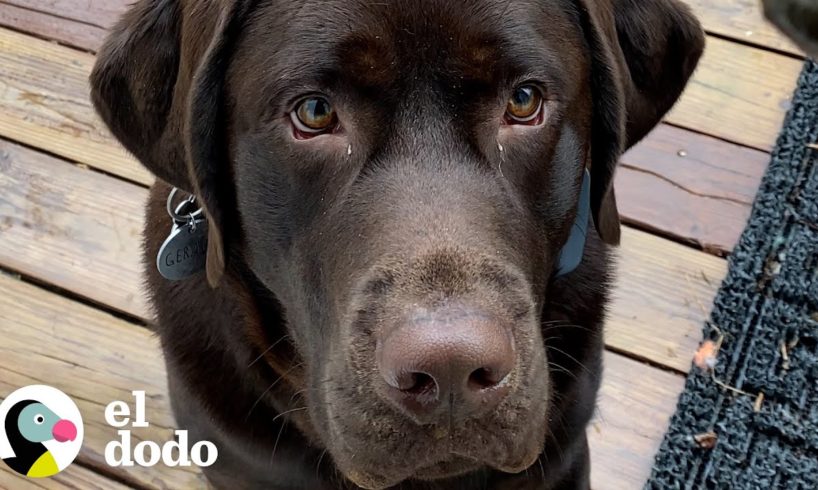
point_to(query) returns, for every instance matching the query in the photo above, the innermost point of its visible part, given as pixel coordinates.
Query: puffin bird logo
(40, 443)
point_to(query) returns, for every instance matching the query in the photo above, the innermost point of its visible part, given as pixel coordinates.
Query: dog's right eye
(525, 106)
(314, 116)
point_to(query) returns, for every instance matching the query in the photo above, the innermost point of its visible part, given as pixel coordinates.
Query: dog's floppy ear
(643, 53)
(157, 84)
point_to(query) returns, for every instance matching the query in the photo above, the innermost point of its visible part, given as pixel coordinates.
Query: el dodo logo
(40, 431)
(149, 453)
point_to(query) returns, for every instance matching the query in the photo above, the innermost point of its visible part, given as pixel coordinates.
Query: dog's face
(404, 192)
(402, 176)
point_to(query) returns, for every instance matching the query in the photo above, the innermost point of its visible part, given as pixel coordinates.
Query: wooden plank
(93, 357)
(99, 13)
(79, 230)
(44, 102)
(689, 186)
(738, 93)
(72, 227)
(663, 294)
(742, 20)
(46, 25)
(75, 476)
(635, 405)
(51, 335)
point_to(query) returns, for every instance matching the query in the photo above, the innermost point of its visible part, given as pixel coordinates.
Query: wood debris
(728, 387)
(759, 402)
(706, 440)
(785, 356)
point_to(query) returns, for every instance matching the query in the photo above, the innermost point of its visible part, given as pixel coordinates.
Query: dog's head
(402, 176)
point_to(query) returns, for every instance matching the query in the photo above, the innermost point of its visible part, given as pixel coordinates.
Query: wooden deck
(72, 312)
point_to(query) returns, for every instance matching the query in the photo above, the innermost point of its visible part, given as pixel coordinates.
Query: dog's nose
(450, 364)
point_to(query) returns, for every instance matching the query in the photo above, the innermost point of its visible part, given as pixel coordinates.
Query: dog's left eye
(314, 116)
(525, 106)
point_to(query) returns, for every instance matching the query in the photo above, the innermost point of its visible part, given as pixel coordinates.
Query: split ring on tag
(184, 252)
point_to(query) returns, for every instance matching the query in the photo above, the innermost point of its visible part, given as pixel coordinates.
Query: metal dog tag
(184, 252)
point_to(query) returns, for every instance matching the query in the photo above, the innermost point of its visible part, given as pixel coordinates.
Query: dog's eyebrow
(486, 58)
(368, 61)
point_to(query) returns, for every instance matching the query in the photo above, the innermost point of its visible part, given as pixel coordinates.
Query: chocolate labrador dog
(385, 280)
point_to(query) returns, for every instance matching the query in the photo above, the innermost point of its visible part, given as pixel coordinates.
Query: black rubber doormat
(748, 418)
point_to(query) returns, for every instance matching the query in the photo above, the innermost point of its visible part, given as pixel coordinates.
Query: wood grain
(46, 25)
(75, 477)
(691, 187)
(742, 20)
(96, 359)
(738, 93)
(72, 227)
(50, 335)
(663, 295)
(98, 13)
(79, 230)
(635, 405)
(45, 103)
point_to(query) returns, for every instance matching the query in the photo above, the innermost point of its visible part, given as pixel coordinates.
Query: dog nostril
(483, 378)
(446, 364)
(422, 384)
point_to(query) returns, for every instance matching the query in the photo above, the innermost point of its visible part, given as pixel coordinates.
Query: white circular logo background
(58, 402)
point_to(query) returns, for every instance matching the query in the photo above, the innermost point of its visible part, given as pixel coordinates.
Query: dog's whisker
(569, 356)
(320, 459)
(559, 326)
(297, 393)
(562, 369)
(272, 346)
(557, 445)
(272, 385)
(278, 437)
(282, 414)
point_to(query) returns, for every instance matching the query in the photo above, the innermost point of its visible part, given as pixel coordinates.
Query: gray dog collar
(571, 254)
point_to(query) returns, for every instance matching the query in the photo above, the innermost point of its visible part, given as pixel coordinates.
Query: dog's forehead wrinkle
(376, 44)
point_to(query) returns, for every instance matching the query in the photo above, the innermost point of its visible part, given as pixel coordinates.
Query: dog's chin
(448, 468)
(453, 465)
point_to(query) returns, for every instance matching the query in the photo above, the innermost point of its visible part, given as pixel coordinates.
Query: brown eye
(525, 106)
(314, 115)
